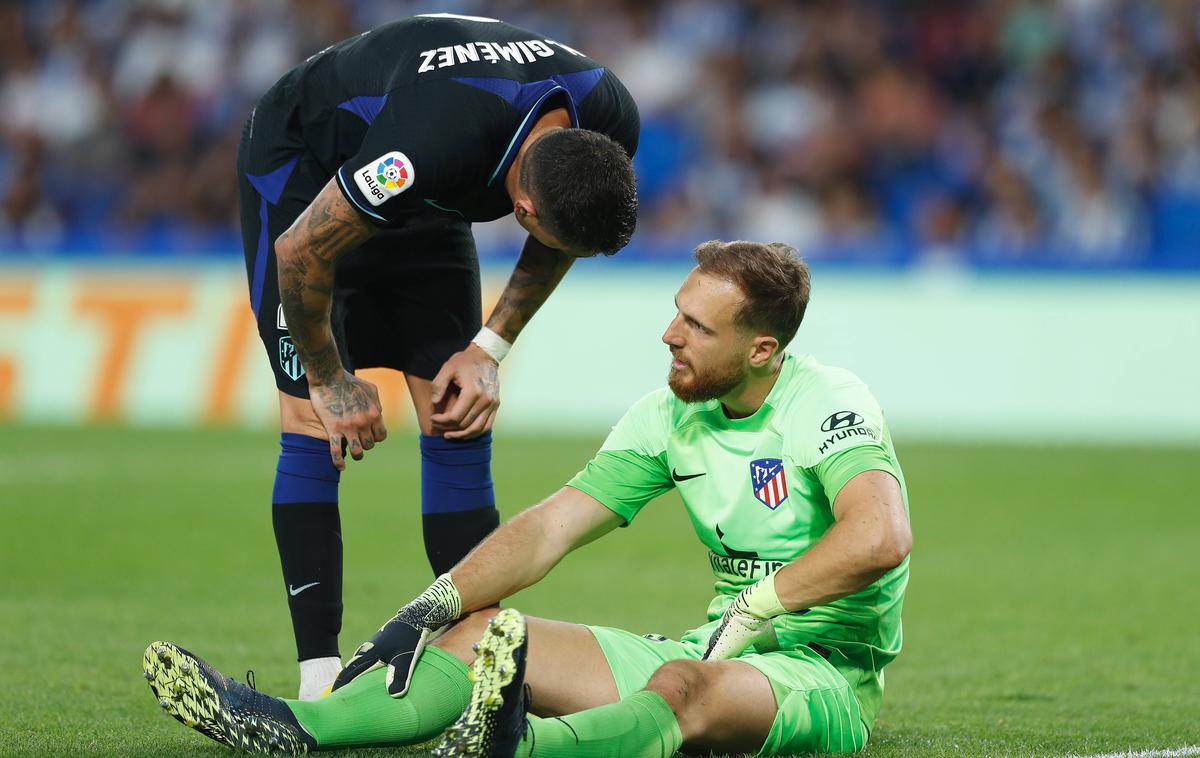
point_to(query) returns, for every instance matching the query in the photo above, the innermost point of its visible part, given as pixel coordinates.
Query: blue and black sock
(458, 505)
(308, 532)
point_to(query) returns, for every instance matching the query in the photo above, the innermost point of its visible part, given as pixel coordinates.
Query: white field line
(1169, 753)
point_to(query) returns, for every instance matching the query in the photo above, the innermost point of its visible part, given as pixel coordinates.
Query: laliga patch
(384, 178)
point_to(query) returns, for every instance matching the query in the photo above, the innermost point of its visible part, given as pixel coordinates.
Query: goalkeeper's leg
(566, 669)
(782, 704)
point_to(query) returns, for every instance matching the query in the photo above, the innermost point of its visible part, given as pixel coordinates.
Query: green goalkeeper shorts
(817, 710)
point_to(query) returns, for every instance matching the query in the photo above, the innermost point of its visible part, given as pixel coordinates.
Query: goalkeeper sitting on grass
(788, 473)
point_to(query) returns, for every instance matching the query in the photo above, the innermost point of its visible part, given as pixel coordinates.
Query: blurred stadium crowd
(1014, 132)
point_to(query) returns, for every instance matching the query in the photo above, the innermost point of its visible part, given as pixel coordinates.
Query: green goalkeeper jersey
(759, 492)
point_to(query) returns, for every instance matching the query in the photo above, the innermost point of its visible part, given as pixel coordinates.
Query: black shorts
(407, 299)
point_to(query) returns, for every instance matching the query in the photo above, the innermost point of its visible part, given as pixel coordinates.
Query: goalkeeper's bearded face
(710, 354)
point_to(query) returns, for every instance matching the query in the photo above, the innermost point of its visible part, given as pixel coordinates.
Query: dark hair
(583, 189)
(772, 278)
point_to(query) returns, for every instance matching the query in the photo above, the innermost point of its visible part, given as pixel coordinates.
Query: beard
(708, 384)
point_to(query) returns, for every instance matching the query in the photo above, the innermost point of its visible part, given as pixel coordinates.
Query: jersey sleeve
(838, 413)
(631, 467)
(836, 470)
(839, 431)
(413, 152)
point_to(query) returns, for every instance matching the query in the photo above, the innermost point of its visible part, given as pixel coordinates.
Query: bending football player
(361, 172)
(789, 476)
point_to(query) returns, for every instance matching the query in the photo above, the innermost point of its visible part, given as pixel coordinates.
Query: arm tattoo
(325, 230)
(538, 272)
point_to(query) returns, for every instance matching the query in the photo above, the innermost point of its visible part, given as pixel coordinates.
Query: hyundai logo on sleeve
(841, 420)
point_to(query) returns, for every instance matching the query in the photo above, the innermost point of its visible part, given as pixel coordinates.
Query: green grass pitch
(1052, 608)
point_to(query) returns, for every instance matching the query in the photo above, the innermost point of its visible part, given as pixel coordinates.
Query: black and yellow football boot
(219, 707)
(494, 720)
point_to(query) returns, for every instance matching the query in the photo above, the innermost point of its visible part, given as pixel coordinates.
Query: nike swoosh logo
(675, 475)
(293, 591)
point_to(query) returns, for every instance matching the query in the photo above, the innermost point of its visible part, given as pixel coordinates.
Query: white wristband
(760, 599)
(492, 344)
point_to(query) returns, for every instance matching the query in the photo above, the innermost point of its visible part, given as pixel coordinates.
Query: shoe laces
(249, 698)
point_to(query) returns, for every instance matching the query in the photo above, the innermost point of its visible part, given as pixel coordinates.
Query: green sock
(363, 713)
(639, 726)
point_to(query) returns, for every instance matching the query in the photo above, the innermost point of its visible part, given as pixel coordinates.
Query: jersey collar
(770, 402)
(550, 89)
(529, 99)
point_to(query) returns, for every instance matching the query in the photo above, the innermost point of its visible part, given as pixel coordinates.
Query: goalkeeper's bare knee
(723, 706)
(683, 684)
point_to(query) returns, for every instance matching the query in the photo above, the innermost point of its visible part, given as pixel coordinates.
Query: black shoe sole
(493, 670)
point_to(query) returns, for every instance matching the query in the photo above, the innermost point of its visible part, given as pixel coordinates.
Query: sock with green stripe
(363, 713)
(639, 726)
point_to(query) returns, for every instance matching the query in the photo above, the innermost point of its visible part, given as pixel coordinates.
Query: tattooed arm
(306, 255)
(538, 272)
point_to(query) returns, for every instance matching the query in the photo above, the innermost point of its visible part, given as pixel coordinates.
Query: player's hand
(399, 642)
(349, 409)
(472, 413)
(747, 621)
(737, 632)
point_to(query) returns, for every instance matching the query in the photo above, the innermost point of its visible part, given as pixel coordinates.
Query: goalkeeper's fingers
(362, 662)
(393, 640)
(737, 632)
(401, 667)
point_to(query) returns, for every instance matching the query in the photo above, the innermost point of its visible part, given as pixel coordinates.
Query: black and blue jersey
(418, 121)
(427, 113)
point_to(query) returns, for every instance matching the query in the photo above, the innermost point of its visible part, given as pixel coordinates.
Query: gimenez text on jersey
(525, 51)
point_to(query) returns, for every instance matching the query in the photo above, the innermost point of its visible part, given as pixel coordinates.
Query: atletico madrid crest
(289, 359)
(768, 481)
